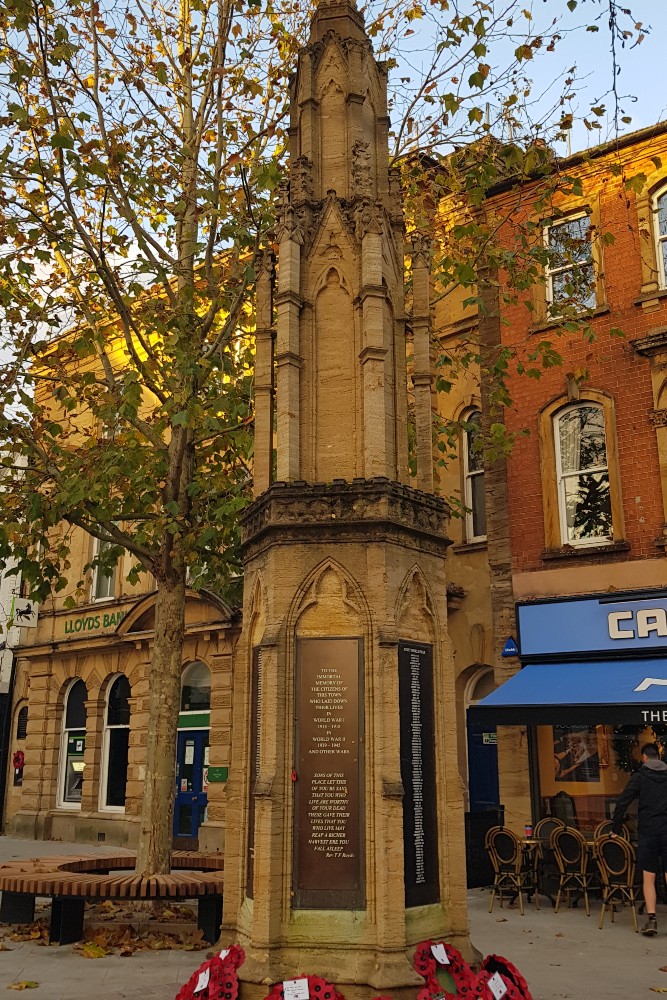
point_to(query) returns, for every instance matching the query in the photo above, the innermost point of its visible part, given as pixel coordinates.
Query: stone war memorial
(345, 834)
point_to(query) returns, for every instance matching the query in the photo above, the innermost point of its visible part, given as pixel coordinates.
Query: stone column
(92, 775)
(263, 458)
(288, 359)
(373, 354)
(654, 347)
(422, 376)
(212, 832)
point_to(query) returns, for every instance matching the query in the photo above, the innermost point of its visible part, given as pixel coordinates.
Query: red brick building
(572, 554)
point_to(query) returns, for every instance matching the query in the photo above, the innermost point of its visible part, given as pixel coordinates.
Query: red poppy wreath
(215, 979)
(510, 973)
(459, 971)
(18, 760)
(318, 989)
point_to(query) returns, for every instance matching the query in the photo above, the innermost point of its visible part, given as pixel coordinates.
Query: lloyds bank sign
(93, 623)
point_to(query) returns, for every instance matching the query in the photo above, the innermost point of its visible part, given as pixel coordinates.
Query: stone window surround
(550, 484)
(61, 803)
(571, 207)
(549, 272)
(466, 491)
(653, 285)
(104, 762)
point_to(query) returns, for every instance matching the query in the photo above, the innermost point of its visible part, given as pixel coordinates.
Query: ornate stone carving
(332, 249)
(374, 508)
(264, 261)
(367, 217)
(421, 250)
(302, 179)
(362, 180)
(287, 225)
(658, 418)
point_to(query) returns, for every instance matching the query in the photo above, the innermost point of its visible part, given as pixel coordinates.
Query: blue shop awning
(621, 692)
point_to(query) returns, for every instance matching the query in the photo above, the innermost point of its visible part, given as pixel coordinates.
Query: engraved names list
(420, 823)
(328, 857)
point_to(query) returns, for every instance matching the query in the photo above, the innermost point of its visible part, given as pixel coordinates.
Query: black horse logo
(24, 614)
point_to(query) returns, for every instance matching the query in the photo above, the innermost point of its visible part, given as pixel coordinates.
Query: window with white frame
(660, 231)
(104, 579)
(73, 746)
(115, 744)
(570, 271)
(473, 478)
(582, 471)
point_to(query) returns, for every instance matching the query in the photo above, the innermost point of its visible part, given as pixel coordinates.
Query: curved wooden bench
(71, 880)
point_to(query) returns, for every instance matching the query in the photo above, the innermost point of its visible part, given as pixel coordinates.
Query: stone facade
(523, 557)
(45, 670)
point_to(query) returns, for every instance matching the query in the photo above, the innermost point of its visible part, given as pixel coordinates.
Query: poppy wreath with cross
(223, 980)
(318, 989)
(18, 760)
(426, 965)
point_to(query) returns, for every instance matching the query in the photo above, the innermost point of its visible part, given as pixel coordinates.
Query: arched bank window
(582, 473)
(473, 478)
(22, 723)
(115, 744)
(196, 688)
(73, 745)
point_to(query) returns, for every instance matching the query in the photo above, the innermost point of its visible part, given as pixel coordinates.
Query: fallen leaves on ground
(101, 941)
(127, 911)
(663, 968)
(658, 989)
(23, 984)
(38, 932)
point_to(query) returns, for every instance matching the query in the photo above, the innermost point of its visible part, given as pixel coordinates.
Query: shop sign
(217, 775)
(592, 625)
(92, 623)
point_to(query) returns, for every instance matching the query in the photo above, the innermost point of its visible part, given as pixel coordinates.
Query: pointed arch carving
(258, 610)
(329, 587)
(416, 613)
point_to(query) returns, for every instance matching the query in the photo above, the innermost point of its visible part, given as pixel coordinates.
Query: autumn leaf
(92, 950)
(23, 984)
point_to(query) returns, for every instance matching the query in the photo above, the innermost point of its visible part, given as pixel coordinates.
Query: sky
(640, 82)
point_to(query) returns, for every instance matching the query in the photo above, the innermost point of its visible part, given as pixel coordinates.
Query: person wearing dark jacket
(649, 785)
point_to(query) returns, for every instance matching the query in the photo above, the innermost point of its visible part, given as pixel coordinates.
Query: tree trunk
(154, 855)
(513, 765)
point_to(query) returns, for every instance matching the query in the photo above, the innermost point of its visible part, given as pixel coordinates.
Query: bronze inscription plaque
(328, 808)
(420, 820)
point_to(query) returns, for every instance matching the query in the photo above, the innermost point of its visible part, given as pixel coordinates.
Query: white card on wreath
(295, 989)
(224, 954)
(439, 953)
(203, 980)
(497, 986)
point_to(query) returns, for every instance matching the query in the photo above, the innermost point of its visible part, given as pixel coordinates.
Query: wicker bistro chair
(547, 874)
(604, 828)
(573, 857)
(513, 870)
(616, 861)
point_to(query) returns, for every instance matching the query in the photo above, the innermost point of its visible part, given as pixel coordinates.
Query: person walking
(649, 785)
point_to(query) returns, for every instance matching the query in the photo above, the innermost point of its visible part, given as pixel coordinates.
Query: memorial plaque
(255, 722)
(420, 819)
(328, 803)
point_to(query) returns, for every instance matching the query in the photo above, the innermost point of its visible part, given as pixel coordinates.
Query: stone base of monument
(358, 975)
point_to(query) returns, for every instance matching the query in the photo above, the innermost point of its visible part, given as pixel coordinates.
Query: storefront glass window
(116, 743)
(74, 743)
(583, 770)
